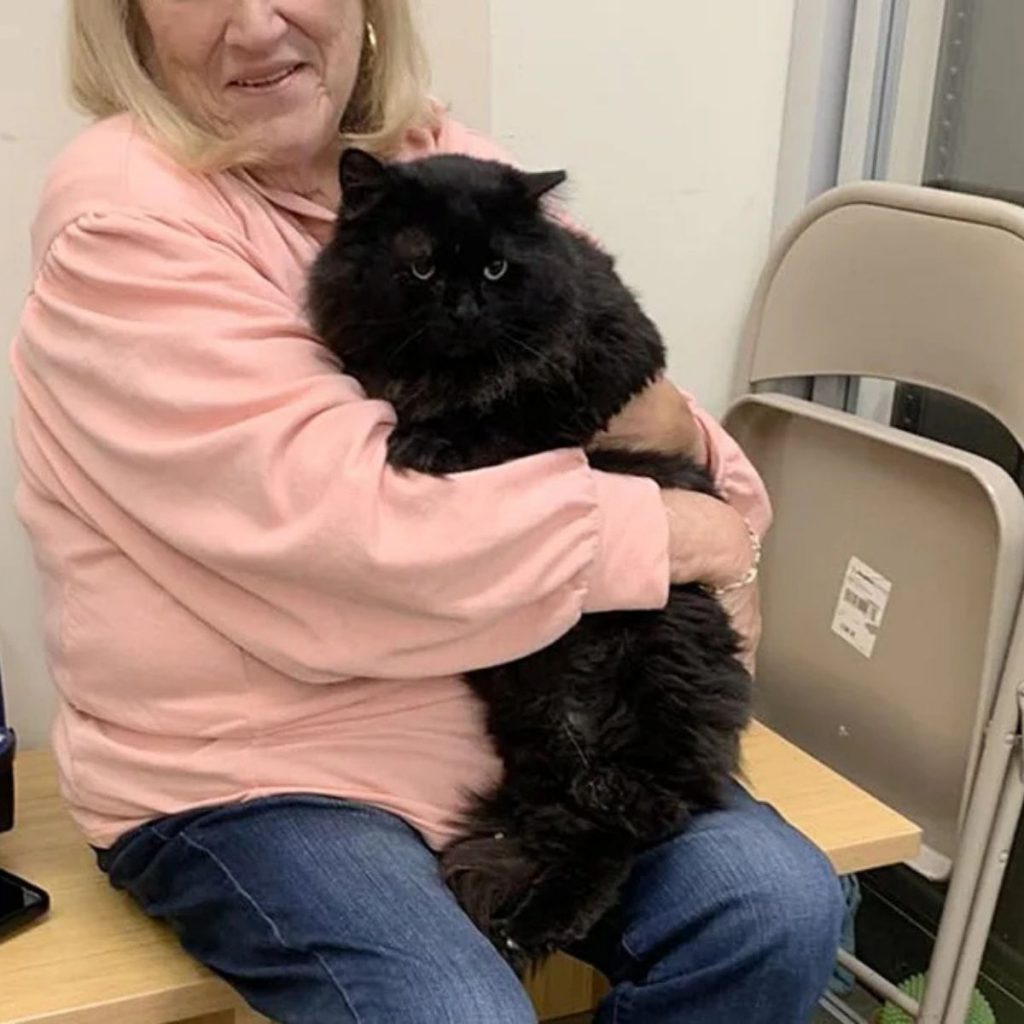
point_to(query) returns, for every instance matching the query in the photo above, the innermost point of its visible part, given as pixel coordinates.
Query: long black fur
(615, 734)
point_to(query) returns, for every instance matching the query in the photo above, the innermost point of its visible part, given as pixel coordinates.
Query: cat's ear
(541, 183)
(364, 180)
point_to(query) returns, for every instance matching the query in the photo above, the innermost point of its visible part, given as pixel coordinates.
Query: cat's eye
(423, 269)
(496, 270)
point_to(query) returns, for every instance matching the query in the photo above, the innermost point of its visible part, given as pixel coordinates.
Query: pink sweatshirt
(241, 598)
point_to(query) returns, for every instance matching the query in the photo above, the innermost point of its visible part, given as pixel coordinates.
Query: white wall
(34, 123)
(666, 113)
(458, 36)
(668, 116)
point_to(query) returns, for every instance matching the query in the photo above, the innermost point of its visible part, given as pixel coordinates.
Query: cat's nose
(467, 309)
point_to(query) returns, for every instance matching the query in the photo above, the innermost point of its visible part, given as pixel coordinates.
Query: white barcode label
(861, 606)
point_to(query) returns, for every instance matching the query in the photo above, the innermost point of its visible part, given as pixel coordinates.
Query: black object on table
(20, 901)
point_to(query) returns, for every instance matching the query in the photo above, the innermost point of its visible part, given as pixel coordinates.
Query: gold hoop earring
(371, 39)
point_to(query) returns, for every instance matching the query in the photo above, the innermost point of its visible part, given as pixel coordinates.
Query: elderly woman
(257, 629)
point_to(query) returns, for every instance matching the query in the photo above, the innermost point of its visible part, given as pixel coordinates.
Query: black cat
(496, 334)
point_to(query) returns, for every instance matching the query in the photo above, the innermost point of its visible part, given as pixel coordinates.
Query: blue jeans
(321, 911)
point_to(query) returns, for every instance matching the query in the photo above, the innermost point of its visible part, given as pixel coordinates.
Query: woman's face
(279, 72)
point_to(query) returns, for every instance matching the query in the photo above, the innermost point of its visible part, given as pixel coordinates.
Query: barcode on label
(865, 607)
(861, 606)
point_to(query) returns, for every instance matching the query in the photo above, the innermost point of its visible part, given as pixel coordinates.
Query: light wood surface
(855, 830)
(97, 960)
(565, 987)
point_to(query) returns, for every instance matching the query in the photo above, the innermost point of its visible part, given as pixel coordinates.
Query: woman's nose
(255, 24)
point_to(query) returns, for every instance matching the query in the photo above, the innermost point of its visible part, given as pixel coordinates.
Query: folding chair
(893, 647)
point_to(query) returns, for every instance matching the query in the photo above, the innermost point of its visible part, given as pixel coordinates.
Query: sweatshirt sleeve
(734, 474)
(177, 394)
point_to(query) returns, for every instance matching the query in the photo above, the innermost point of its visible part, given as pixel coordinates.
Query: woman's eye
(496, 270)
(423, 269)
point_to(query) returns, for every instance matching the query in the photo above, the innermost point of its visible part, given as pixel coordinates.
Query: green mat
(979, 1012)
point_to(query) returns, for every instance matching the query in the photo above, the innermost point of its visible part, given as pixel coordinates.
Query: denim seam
(274, 930)
(621, 997)
(151, 826)
(624, 942)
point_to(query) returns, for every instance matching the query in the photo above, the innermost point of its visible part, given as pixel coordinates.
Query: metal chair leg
(983, 807)
(987, 895)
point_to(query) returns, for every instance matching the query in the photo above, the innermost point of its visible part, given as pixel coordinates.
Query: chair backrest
(890, 587)
(909, 284)
(892, 578)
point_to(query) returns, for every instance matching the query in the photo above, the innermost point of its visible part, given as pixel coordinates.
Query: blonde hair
(107, 65)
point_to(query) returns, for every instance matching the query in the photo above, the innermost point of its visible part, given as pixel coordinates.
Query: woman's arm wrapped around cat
(708, 541)
(217, 445)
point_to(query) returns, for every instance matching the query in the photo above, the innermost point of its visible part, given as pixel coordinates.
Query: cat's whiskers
(543, 357)
(405, 343)
(381, 321)
(569, 731)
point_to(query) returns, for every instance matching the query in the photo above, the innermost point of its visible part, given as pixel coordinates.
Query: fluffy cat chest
(464, 436)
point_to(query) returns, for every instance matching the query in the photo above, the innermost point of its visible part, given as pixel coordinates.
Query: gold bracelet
(751, 574)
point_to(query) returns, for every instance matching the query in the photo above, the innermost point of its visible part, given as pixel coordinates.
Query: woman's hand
(710, 543)
(658, 419)
(744, 609)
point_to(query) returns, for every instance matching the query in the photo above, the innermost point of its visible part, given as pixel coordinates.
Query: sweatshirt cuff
(631, 565)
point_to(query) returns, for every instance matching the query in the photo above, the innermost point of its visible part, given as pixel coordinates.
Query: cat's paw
(522, 961)
(558, 914)
(424, 453)
(526, 946)
(488, 874)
